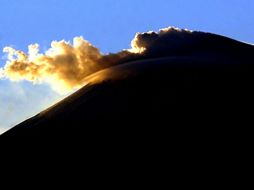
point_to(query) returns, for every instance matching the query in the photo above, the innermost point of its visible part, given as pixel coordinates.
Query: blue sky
(109, 25)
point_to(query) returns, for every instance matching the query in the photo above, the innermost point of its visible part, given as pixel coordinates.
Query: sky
(107, 24)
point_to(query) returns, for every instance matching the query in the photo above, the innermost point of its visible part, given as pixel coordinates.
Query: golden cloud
(65, 64)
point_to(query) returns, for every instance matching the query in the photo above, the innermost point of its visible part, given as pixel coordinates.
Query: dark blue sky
(109, 25)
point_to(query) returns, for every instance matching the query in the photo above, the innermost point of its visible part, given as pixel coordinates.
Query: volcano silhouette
(193, 89)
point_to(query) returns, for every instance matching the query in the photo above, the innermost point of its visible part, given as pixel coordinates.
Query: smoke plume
(65, 65)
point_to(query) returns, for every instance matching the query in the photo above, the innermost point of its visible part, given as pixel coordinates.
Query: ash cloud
(167, 37)
(65, 65)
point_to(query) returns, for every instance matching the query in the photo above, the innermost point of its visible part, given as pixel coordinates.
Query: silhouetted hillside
(198, 94)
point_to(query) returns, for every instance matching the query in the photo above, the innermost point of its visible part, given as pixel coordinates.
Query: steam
(149, 40)
(65, 64)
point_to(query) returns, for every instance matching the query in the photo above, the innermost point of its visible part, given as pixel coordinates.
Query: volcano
(195, 89)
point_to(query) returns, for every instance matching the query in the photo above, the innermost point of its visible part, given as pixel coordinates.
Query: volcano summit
(171, 82)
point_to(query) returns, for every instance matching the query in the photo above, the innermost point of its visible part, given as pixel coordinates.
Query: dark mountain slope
(208, 92)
